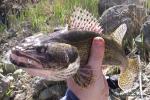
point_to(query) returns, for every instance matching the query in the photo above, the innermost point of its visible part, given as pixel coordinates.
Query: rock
(105, 4)
(10, 78)
(5, 66)
(6, 98)
(8, 68)
(18, 72)
(143, 40)
(2, 19)
(54, 92)
(60, 28)
(27, 28)
(39, 84)
(148, 69)
(35, 1)
(9, 8)
(145, 29)
(20, 87)
(21, 96)
(1, 68)
(4, 85)
(10, 33)
(132, 15)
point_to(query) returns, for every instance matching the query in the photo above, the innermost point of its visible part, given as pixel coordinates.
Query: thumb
(97, 52)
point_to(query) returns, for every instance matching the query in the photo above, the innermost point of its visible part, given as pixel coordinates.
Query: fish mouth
(28, 59)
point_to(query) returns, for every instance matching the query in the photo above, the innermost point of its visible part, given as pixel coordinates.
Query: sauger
(64, 53)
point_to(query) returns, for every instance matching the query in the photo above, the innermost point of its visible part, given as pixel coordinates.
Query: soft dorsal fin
(82, 20)
(119, 33)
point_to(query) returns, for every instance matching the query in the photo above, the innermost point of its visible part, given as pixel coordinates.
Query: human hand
(98, 89)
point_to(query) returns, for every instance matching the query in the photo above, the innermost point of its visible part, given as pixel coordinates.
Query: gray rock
(147, 68)
(132, 15)
(21, 96)
(54, 92)
(1, 68)
(26, 28)
(18, 72)
(59, 28)
(2, 19)
(143, 40)
(39, 84)
(8, 68)
(105, 4)
(6, 98)
(4, 85)
(10, 33)
(145, 29)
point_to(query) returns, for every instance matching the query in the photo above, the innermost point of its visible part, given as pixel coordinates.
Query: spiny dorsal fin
(119, 33)
(82, 20)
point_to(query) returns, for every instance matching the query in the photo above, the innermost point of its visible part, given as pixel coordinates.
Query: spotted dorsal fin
(82, 20)
(119, 33)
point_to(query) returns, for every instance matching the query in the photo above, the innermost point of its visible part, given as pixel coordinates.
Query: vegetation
(148, 3)
(2, 27)
(62, 8)
(37, 14)
(45, 14)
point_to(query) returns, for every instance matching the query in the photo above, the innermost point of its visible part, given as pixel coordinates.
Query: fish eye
(41, 49)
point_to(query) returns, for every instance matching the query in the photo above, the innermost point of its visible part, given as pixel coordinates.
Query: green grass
(147, 4)
(63, 8)
(37, 14)
(46, 16)
(55, 14)
(2, 27)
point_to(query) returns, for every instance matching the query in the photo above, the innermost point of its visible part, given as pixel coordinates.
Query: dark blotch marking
(84, 76)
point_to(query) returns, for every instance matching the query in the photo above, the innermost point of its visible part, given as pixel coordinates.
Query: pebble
(21, 96)
(4, 85)
(52, 93)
